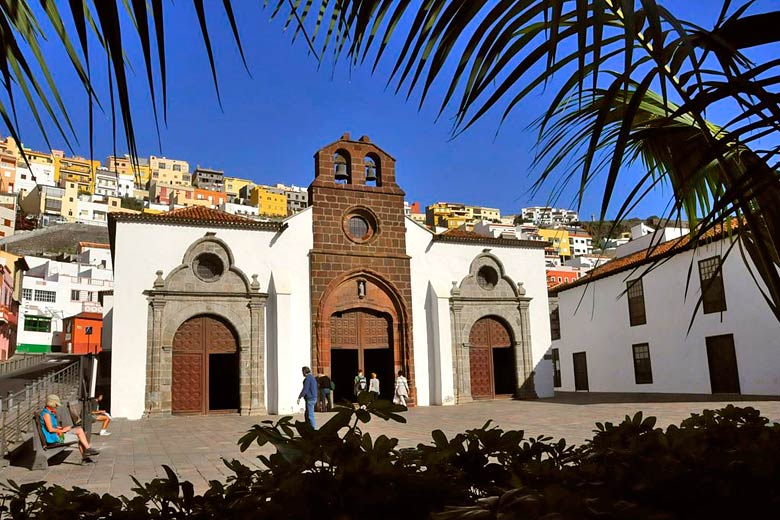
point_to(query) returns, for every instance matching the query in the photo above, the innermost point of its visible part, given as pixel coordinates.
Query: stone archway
(488, 292)
(362, 319)
(204, 367)
(206, 283)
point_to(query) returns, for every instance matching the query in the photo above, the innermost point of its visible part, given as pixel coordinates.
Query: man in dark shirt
(309, 394)
(323, 382)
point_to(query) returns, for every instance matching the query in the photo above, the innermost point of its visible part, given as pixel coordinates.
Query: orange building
(82, 333)
(557, 275)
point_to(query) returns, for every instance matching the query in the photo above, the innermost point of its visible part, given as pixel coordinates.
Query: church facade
(214, 312)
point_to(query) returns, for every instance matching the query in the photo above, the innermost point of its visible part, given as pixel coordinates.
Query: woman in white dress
(401, 389)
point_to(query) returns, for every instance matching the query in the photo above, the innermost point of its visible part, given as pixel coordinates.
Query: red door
(193, 342)
(487, 334)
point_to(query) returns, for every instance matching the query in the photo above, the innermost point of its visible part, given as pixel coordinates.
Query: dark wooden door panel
(187, 382)
(481, 367)
(580, 371)
(722, 360)
(219, 337)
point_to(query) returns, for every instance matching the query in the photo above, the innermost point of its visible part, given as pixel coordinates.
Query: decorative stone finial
(159, 282)
(455, 291)
(365, 139)
(520, 289)
(255, 285)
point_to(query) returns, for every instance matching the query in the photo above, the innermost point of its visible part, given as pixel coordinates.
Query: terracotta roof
(198, 216)
(465, 237)
(647, 256)
(94, 245)
(87, 315)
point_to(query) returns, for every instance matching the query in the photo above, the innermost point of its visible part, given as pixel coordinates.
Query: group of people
(318, 392)
(54, 433)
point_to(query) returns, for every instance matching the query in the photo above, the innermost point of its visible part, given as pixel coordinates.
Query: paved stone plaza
(195, 445)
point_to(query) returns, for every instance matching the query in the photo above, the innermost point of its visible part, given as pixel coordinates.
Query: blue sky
(276, 119)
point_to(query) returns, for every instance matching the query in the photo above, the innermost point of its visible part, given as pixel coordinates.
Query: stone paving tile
(195, 446)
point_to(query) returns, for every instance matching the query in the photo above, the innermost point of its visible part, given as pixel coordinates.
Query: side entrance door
(580, 371)
(491, 364)
(198, 341)
(722, 360)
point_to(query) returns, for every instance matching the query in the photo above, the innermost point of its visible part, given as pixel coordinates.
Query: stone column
(256, 373)
(154, 370)
(523, 356)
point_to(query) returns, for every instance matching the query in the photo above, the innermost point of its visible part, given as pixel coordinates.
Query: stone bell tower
(360, 274)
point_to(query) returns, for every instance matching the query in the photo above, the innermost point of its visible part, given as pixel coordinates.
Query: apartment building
(239, 209)
(233, 186)
(270, 202)
(139, 170)
(549, 216)
(54, 290)
(39, 169)
(580, 243)
(297, 198)
(170, 171)
(559, 237)
(45, 204)
(208, 179)
(8, 172)
(106, 183)
(454, 215)
(13, 268)
(8, 208)
(77, 170)
(166, 193)
(207, 198)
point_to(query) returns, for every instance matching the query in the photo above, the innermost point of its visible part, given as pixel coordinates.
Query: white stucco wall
(141, 249)
(600, 327)
(434, 266)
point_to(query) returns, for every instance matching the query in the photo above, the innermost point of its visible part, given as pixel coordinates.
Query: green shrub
(716, 464)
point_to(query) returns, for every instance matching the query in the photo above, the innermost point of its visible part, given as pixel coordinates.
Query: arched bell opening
(373, 170)
(342, 167)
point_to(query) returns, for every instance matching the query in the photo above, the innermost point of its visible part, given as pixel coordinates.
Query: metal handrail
(17, 408)
(20, 361)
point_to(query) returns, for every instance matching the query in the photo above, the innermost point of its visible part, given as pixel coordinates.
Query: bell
(370, 173)
(341, 170)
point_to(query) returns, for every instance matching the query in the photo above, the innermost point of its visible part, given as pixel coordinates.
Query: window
(163, 166)
(26, 294)
(487, 277)
(45, 296)
(358, 227)
(555, 324)
(636, 303)
(37, 324)
(74, 296)
(155, 175)
(711, 278)
(208, 267)
(556, 361)
(643, 374)
(177, 167)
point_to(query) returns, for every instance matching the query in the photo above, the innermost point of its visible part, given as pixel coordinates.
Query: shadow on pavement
(585, 398)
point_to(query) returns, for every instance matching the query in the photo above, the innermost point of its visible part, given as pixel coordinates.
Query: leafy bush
(715, 464)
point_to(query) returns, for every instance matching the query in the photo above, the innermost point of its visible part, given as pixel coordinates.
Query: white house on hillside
(617, 331)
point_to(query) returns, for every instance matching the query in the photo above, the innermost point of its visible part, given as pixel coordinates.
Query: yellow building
(454, 215)
(269, 202)
(233, 185)
(560, 241)
(170, 171)
(124, 166)
(78, 170)
(70, 201)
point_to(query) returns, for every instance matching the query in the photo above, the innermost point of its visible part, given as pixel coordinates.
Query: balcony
(7, 316)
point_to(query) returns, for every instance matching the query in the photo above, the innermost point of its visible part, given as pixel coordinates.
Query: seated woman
(101, 416)
(53, 433)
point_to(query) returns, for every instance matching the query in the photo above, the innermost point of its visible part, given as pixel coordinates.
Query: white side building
(618, 333)
(53, 290)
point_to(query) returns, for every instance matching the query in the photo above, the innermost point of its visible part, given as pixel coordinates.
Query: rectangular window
(177, 167)
(37, 324)
(74, 296)
(556, 361)
(636, 303)
(163, 166)
(45, 296)
(555, 325)
(711, 278)
(26, 294)
(6, 222)
(643, 373)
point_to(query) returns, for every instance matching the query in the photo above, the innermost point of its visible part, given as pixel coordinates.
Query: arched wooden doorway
(205, 377)
(491, 359)
(361, 338)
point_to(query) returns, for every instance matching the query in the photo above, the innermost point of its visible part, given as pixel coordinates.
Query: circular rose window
(487, 277)
(208, 267)
(359, 225)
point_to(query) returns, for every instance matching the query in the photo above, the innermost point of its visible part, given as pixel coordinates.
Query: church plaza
(194, 445)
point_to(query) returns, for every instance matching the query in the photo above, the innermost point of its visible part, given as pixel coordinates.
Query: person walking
(323, 383)
(373, 385)
(361, 384)
(401, 389)
(309, 394)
